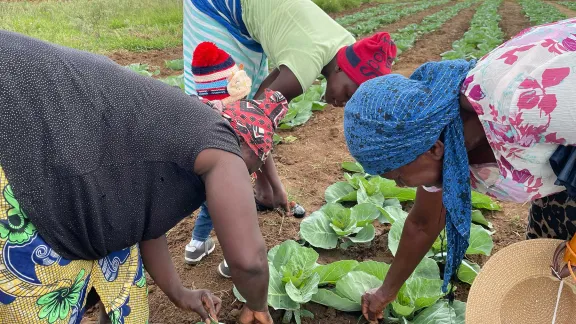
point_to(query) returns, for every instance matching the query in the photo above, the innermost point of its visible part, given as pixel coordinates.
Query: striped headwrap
(391, 120)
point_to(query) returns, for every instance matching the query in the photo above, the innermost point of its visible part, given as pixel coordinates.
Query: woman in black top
(97, 164)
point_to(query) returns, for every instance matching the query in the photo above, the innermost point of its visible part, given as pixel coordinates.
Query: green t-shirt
(295, 33)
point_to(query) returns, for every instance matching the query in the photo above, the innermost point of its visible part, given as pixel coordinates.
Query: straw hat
(516, 286)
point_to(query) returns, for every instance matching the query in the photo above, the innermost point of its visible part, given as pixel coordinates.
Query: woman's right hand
(374, 301)
(249, 316)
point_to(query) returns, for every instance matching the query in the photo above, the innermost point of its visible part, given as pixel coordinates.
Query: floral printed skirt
(553, 216)
(39, 286)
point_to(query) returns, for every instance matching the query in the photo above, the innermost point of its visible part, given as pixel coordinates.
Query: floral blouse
(525, 95)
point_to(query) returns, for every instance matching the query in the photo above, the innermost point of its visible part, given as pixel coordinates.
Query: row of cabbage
(483, 35)
(569, 4)
(391, 15)
(540, 12)
(372, 12)
(296, 278)
(407, 36)
(353, 208)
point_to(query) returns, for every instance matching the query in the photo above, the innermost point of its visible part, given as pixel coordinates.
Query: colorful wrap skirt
(39, 286)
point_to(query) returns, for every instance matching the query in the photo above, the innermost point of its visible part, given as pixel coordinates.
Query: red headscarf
(256, 120)
(367, 58)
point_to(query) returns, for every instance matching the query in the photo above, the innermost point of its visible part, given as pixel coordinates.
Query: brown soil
(513, 19)
(568, 12)
(432, 45)
(306, 167)
(154, 58)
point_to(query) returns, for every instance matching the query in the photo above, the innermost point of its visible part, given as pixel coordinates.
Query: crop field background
(360, 217)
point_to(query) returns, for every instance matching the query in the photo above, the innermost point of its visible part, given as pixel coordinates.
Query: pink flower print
(494, 113)
(477, 108)
(528, 99)
(553, 46)
(502, 133)
(476, 93)
(536, 94)
(569, 44)
(553, 77)
(511, 56)
(521, 176)
(534, 184)
(466, 83)
(530, 134)
(514, 153)
(548, 103)
(504, 166)
(551, 138)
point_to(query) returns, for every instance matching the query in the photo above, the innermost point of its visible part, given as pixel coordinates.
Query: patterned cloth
(391, 120)
(256, 120)
(368, 58)
(524, 94)
(39, 286)
(220, 21)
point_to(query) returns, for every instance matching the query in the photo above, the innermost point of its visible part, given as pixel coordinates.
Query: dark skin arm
(233, 212)
(423, 225)
(158, 264)
(282, 80)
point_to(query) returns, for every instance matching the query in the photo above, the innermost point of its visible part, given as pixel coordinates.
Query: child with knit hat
(217, 76)
(223, 85)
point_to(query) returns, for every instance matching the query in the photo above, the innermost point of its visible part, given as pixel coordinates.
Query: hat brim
(516, 286)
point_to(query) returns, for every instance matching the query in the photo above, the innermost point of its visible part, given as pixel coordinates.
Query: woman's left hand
(201, 301)
(281, 199)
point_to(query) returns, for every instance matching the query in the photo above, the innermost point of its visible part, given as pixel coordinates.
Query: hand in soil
(373, 304)
(202, 302)
(249, 316)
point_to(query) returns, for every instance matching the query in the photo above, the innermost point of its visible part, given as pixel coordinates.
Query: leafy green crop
(142, 69)
(370, 13)
(300, 108)
(480, 241)
(364, 188)
(540, 12)
(407, 36)
(293, 279)
(175, 81)
(390, 16)
(175, 65)
(483, 35)
(571, 5)
(442, 313)
(334, 224)
(422, 289)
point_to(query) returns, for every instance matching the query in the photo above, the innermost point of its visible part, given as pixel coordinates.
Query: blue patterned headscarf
(391, 120)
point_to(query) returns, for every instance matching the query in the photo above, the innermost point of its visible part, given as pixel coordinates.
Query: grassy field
(98, 25)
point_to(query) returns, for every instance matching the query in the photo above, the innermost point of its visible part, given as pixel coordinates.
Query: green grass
(98, 25)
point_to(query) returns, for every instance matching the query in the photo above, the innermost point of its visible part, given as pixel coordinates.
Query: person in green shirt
(301, 40)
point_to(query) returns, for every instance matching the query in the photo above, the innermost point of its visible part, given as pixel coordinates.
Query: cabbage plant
(335, 225)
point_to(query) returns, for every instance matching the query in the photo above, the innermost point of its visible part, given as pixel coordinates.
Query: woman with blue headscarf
(503, 126)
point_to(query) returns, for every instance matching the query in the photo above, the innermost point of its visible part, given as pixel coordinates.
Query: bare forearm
(415, 242)
(270, 173)
(158, 264)
(266, 83)
(233, 211)
(283, 81)
(253, 285)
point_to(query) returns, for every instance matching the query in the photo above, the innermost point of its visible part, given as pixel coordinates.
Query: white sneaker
(193, 254)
